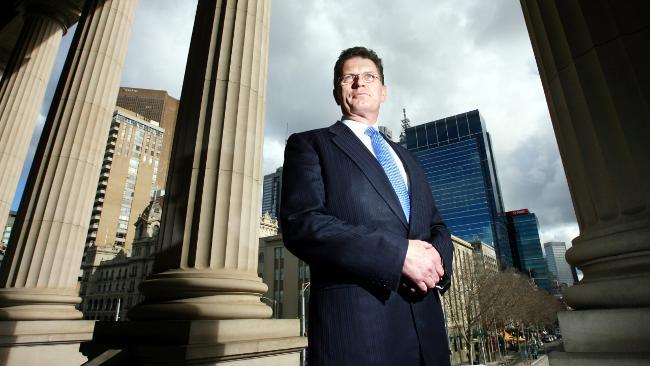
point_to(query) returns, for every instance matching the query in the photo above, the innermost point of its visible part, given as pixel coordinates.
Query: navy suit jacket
(340, 214)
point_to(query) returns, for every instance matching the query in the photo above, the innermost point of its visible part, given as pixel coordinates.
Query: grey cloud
(441, 58)
(532, 177)
(159, 43)
(497, 21)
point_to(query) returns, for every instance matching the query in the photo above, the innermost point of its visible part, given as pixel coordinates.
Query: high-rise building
(154, 105)
(574, 273)
(285, 275)
(111, 274)
(527, 248)
(456, 155)
(557, 265)
(485, 258)
(271, 191)
(387, 132)
(129, 179)
(7, 233)
(460, 302)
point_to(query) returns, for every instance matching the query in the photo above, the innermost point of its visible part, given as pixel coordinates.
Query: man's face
(360, 100)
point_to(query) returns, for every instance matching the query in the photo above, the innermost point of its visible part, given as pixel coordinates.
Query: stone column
(44, 255)
(39, 272)
(593, 58)
(208, 268)
(203, 302)
(23, 86)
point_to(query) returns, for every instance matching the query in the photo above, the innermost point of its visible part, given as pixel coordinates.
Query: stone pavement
(541, 361)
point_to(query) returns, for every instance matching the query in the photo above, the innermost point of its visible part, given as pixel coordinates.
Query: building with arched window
(111, 275)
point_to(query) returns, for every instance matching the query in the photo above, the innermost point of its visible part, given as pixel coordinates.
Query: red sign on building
(523, 211)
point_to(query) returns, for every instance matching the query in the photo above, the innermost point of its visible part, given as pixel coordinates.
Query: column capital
(64, 12)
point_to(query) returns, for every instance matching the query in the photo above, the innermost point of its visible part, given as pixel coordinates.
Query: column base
(47, 342)
(561, 358)
(208, 342)
(604, 337)
(33, 304)
(615, 263)
(606, 330)
(202, 294)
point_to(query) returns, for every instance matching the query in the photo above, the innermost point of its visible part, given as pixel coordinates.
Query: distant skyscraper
(7, 233)
(456, 154)
(557, 264)
(485, 258)
(129, 179)
(527, 248)
(574, 273)
(386, 131)
(158, 106)
(271, 193)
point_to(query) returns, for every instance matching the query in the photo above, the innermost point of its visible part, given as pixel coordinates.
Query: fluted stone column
(203, 302)
(208, 269)
(593, 58)
(39, 272)
(23, 85)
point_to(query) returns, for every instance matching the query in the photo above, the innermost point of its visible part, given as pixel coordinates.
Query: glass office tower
(271, 190)
(456, 155)
(527, 248)
(558, 267)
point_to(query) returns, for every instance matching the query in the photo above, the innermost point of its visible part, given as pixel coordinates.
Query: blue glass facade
(271, 189)
(527, 248)
(456, 155)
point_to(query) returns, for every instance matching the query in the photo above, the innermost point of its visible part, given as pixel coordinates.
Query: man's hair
(362, 52)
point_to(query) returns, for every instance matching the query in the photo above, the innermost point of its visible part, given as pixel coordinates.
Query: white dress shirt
(359, 129)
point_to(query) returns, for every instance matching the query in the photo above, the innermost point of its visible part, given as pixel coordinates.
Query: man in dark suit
(357, 208)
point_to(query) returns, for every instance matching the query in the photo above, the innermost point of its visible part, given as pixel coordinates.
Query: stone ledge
(606, 330)
(43, 342)
(195, 331)
(218, 352)
(30, 332)
(560, 358)
(263, 341)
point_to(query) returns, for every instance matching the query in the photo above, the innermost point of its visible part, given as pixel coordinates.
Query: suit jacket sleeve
(372, 256)
(441, 240)
(440, 236)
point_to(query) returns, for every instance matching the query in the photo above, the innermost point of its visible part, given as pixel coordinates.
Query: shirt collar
(358, 127)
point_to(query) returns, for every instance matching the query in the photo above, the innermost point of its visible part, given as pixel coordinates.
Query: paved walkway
(541, 361)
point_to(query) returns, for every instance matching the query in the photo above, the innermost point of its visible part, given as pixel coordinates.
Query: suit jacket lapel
(345, 139)
(413, 185)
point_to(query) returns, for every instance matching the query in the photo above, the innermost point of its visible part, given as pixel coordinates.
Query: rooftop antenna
(406, 123)
(286, 134)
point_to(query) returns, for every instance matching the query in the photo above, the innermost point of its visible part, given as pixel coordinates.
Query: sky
(441, 58)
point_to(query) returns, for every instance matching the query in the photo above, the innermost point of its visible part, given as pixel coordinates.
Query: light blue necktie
(382, 151)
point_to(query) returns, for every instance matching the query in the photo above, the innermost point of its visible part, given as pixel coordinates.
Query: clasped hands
(422, 266)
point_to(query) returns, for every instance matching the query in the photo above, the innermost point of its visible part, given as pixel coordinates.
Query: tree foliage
(495, 301)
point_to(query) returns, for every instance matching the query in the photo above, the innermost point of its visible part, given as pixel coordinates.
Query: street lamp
(117, 311)
(303, 321)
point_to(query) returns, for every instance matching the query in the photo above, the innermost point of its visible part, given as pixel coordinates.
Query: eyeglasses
(367, 77)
